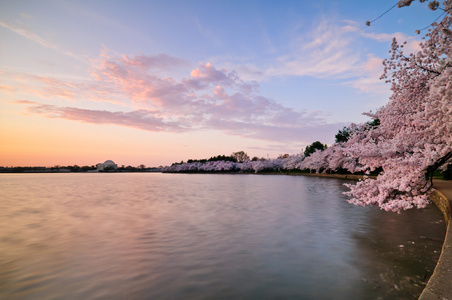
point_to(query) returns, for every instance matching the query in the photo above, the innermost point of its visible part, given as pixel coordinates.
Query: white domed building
(107, 165)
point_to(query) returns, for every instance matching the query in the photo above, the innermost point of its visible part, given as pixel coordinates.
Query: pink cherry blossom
(415, 132)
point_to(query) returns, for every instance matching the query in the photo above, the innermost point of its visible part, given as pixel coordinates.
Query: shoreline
(439, 285)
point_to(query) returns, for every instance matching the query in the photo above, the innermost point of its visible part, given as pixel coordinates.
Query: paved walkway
(439, 286)
(445, 187)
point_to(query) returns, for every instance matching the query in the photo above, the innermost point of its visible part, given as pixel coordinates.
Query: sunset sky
(154, 82)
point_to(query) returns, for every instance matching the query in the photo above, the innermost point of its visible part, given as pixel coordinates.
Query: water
(181, 236)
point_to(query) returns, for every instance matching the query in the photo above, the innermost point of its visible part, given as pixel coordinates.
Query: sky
(157, 82)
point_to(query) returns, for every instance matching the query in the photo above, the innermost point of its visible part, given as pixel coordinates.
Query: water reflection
(403, 243)
(163, 236)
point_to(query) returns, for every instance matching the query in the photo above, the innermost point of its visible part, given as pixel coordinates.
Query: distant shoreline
(41, 170)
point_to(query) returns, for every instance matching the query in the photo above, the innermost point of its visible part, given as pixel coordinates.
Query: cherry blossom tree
(414, 137)
(240, 156)
(333, 159)
(314, 147)
(292, 162)
(288, 163)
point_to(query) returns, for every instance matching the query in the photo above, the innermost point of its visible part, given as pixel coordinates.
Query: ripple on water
(161, 236)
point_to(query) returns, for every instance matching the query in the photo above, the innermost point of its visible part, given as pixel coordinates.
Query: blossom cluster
(414, 135)
(293, 162)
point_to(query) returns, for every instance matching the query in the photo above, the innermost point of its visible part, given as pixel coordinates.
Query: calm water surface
(175, 236)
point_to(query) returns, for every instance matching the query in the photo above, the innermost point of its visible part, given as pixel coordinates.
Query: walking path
(445, 187)
(440, 284)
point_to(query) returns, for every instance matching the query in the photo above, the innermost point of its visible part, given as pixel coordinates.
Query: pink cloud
(140, 119)
(155, 122)
(219, 92)
(411, 46)
(51, 88)
(135, 80)
(207, 72)
(6, 87)
(368, 80)
(209, 98)
(159, 61)
(323, 52)
(199, 92)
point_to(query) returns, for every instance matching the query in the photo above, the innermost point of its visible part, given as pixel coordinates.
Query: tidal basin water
(193, 236)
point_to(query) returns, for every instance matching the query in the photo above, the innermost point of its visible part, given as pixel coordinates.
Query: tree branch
(419, 66)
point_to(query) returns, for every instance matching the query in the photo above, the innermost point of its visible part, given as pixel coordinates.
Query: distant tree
(343, 135)
(374, 123)
(196, 160)
(74, 168)
(313, 147)
(240, 156)
(223, 158)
